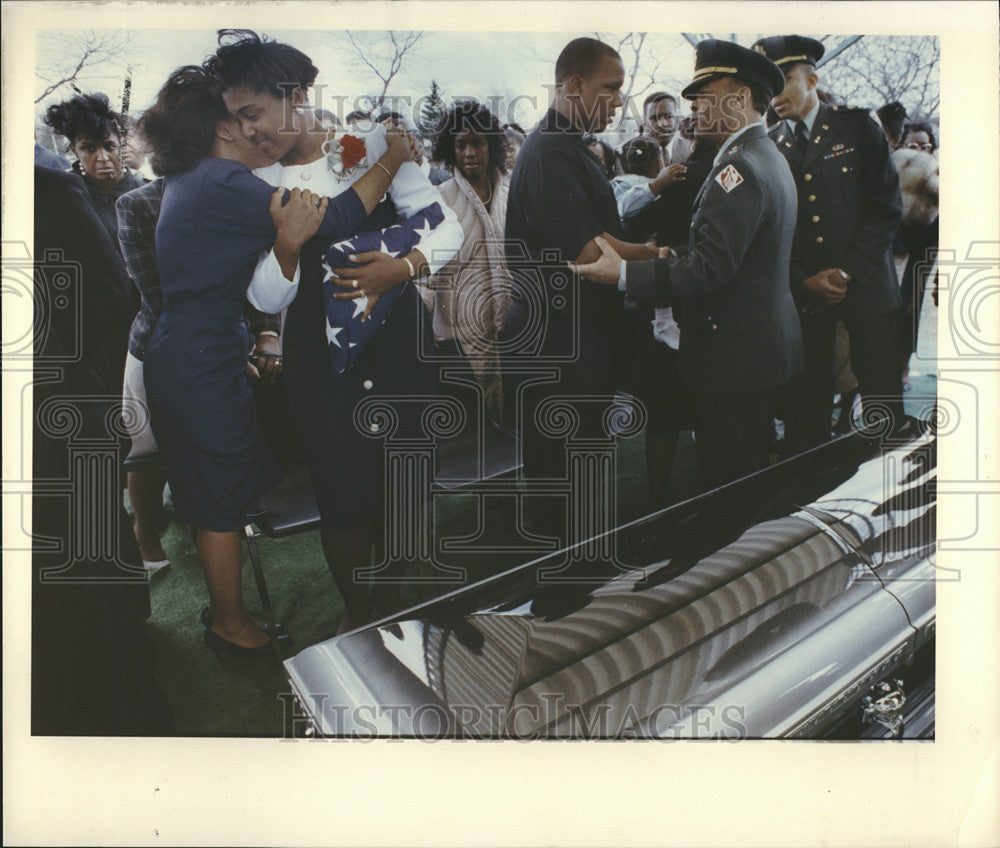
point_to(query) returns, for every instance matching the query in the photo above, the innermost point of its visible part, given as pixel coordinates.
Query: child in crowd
(645, 176)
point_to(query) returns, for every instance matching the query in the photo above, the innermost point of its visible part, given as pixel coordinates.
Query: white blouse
(410, 192)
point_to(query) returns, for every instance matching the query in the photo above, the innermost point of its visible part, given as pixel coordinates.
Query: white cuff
(270, 291)
(621, 277)
(442, 243)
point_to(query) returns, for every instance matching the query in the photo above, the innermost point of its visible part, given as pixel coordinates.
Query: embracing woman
(337, 353)
(216, 221)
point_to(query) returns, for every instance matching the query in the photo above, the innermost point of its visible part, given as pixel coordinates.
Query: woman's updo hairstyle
(245, 59)
(85, 116)
(638, 153)
(179, 128)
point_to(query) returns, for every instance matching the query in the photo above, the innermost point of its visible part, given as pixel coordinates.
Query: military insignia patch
(729, 178)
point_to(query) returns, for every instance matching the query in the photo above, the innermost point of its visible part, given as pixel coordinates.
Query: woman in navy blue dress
(216, 221)
(266, 86)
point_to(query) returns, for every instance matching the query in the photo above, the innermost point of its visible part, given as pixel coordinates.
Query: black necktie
(801, 136)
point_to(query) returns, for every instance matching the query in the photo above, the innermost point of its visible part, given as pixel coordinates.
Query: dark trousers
(875, 362)
(732, 434)
(560, 418)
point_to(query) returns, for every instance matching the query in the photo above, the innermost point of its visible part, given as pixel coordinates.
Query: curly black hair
(86, 116)
(179, 128)
(471, 115)
(259, 63)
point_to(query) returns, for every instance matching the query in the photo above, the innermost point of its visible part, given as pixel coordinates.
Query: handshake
(608, 267)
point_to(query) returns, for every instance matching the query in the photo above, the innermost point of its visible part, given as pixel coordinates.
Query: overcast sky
(508, 66)
(476, 64)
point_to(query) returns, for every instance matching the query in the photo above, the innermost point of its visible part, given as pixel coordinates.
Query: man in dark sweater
(559, 202)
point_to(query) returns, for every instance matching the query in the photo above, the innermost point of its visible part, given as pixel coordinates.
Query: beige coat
(469, 297)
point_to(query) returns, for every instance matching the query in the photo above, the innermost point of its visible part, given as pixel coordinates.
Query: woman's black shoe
(224, 648)
(279, 628)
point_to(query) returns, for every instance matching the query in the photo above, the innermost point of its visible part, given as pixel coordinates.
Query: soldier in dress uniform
(740, 336)
(842, 266)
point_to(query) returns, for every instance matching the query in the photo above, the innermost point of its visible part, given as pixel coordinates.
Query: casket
(768, 608)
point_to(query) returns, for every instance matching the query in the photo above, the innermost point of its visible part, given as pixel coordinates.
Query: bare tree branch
(385, 65)
(76, 55)
(884, 69)
(67, 79)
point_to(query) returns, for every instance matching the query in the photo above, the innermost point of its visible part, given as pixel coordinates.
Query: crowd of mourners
(734, 270)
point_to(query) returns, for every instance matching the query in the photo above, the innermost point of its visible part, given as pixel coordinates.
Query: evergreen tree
(432, 112)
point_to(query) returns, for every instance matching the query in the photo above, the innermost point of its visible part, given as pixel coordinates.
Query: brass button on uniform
(808, 177)
(368, 384)
(815, 219)
(812, 198)
(844, 169)
(819, 239)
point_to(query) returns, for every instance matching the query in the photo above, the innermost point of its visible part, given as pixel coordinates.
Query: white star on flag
(360, 305)
(332, 333)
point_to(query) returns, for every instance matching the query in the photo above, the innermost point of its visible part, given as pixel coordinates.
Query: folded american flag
(346, 334)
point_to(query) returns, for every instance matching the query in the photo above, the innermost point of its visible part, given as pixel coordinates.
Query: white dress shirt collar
(808, 120)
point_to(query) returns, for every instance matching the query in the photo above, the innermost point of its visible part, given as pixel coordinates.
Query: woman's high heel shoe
(279, 628)
(224, 648)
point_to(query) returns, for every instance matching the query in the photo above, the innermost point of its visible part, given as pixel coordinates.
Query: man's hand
(826, 289)
(604, 270)
(377, 274)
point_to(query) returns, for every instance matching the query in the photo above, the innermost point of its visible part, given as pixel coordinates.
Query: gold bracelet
(388, 173)
(409, 265)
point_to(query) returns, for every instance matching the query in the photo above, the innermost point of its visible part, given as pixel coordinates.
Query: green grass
(243, 697)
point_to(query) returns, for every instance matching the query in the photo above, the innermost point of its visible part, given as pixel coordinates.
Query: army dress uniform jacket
(739, 326)
(849, 208)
